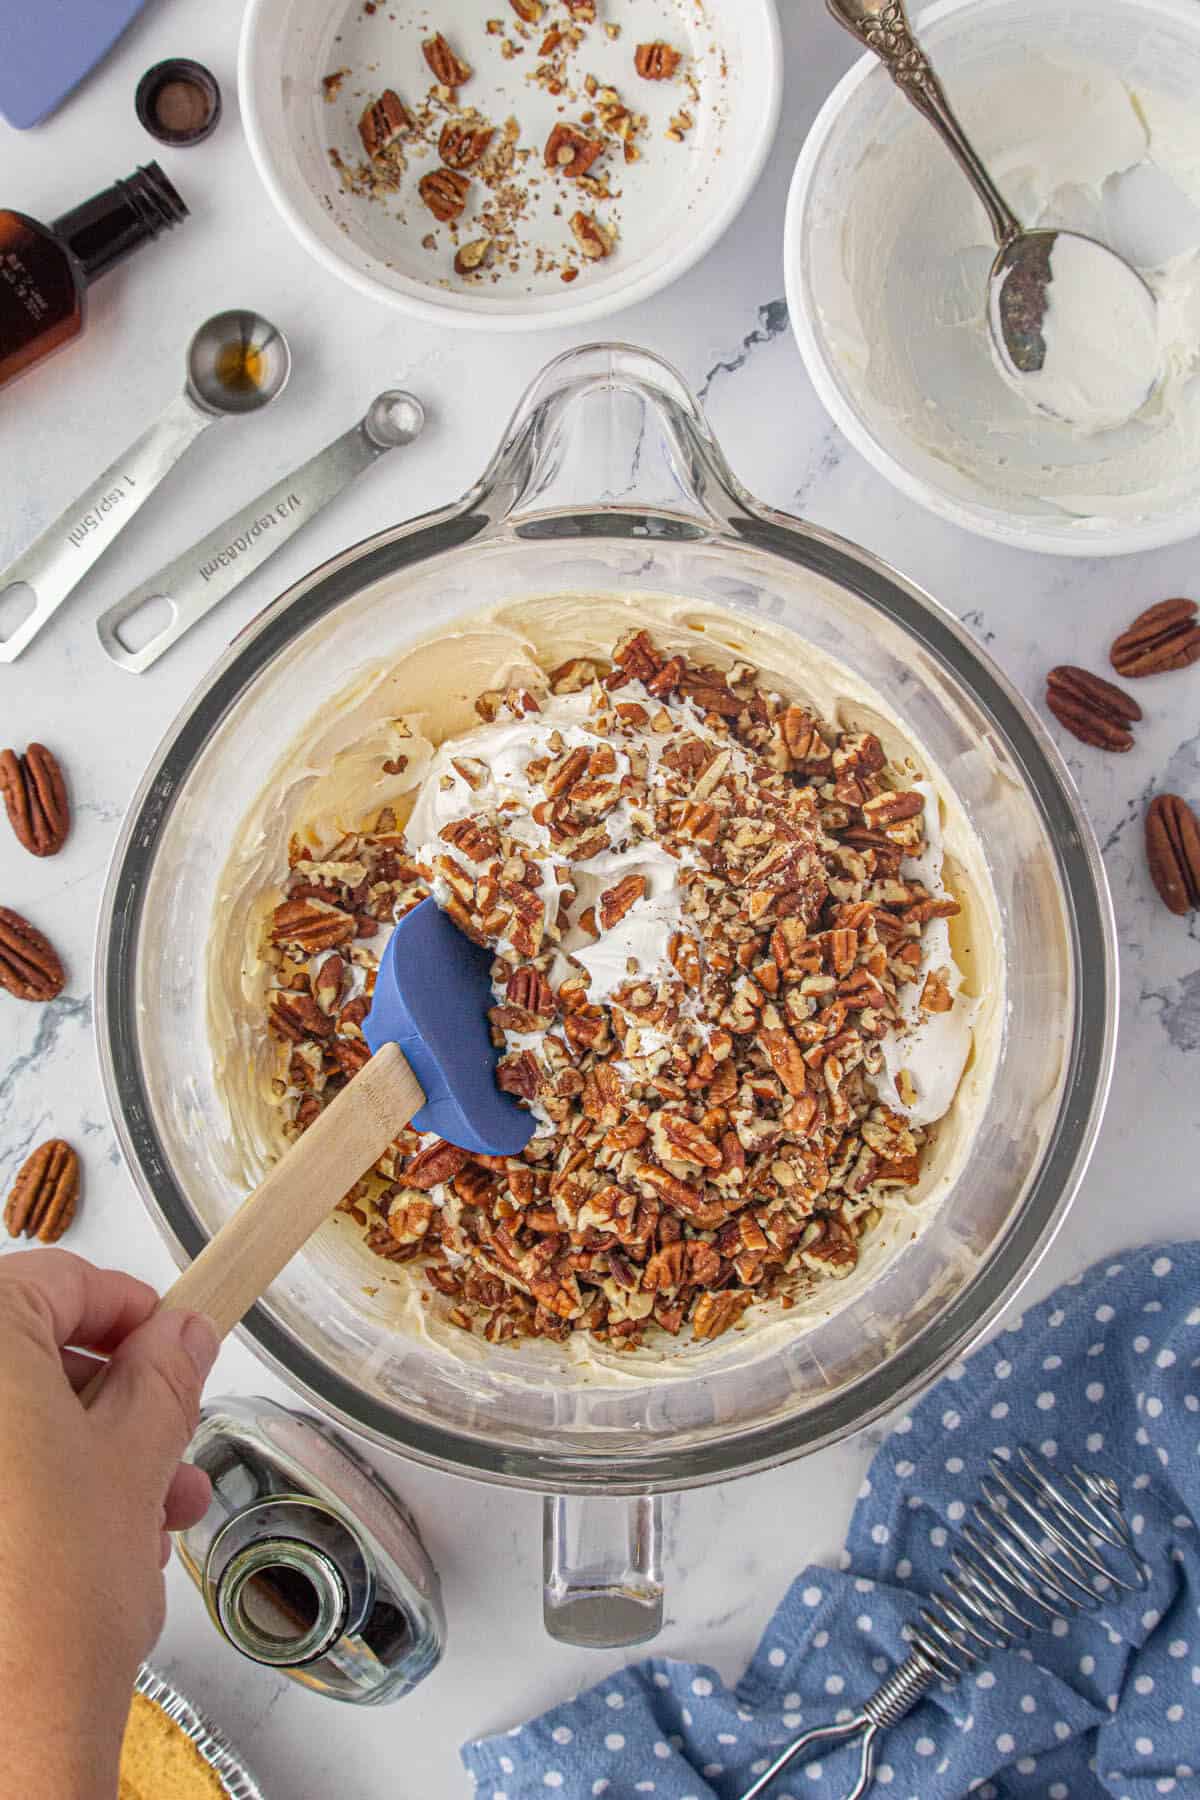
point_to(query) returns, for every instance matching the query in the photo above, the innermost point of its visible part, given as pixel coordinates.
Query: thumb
(151, 1395)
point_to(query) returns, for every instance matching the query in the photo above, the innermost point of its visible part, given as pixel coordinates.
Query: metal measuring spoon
(236, 363)
(206, 574)
(1021, 285)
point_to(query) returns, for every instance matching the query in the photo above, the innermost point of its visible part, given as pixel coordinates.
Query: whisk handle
(891, 1702)
(804, 1747)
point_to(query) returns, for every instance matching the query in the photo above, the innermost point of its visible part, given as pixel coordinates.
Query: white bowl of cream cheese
(1086, 117)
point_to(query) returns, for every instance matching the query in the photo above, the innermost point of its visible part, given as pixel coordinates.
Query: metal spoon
(206, 574)
(1021, 282)
(236, 364)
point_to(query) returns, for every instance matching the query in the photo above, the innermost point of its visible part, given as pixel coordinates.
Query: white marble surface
(733, 1548)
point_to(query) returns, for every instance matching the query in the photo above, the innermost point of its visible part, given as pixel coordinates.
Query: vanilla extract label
(238, 546)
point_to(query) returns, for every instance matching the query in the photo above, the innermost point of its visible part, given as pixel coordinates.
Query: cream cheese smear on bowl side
(903, 270)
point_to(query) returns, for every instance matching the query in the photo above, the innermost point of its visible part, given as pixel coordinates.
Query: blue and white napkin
(1107, 1373)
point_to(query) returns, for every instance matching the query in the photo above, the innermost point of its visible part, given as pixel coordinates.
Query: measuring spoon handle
(210, 571)
(56, 562)
(883, 27)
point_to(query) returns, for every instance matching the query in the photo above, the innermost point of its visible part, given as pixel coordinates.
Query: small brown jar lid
(179, 102)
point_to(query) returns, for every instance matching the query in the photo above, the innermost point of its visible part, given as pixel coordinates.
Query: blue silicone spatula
(433, 1065)
(48, 46)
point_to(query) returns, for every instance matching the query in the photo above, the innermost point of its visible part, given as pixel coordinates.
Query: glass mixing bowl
(663, 514)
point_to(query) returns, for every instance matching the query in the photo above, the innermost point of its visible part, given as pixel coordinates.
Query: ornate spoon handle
(883, 27)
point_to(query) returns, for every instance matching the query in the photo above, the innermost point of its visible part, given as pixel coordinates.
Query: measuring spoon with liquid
(236, 364)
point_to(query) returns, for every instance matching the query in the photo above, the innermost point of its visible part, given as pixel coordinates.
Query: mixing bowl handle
(602, 1586)
(588, 425)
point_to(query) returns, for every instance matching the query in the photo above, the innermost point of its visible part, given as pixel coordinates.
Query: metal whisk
(1035, 1551)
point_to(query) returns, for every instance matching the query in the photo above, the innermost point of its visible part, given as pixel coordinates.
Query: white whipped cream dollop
(932, 1046)
(487, 771)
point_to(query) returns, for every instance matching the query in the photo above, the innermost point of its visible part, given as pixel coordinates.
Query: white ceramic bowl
(1153, 44)
(674, 203)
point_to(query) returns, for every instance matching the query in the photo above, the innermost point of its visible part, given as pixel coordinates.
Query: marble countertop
(733, 1548)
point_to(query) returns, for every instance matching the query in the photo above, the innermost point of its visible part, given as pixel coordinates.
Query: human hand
(87, 1501)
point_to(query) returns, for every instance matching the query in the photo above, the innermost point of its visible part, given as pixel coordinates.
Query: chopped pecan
(530, 11)
(616, 901)
(716, 1313)
(1172, 852)
(592, 238)
(296, 1017)
(888, 808)
(570, 151)
(684, 954)
(447, 68)
(351, 1055)
(529, 989)
(384, 121)
(561, 776)
(935, 995)
(409, 1217)
(463, 142)
(603, 1095)
(472, 257)
(786, 1058)
(329, 983)
(45, 1193)
(30, 966)
(312, 925)
(438, 1162)
(519, 1075)
(666, 1268)
(35, 798)
(444, 192)
(656, 61)
(685, 1142)
(1164, 637)
(683, 1196)
(703, 1263)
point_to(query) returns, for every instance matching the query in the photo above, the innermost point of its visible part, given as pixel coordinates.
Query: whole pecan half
(656, 62)
(1173, 852)
(45, 1194)
(30, 966)
(462, 144)
(571, 151)
(35, 798)
(1092, 709)
(450, 70)
(444, 192)
(1163, 637)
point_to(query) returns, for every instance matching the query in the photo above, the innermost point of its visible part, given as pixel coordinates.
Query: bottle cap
(179, 102)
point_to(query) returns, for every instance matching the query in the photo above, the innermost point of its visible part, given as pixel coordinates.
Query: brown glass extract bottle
(45, 270)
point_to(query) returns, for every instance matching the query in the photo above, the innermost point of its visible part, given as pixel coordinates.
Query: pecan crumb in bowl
(510, 165)
(759, 1209)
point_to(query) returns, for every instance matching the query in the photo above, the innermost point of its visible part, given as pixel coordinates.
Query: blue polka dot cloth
(1107, 1373)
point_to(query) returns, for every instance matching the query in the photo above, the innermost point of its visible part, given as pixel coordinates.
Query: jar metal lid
(179, 102)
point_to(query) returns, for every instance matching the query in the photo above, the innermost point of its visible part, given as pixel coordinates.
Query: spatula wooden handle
(278, 1218)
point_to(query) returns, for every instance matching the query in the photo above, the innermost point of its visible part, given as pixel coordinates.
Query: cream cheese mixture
(406, 736)
(904, 254)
